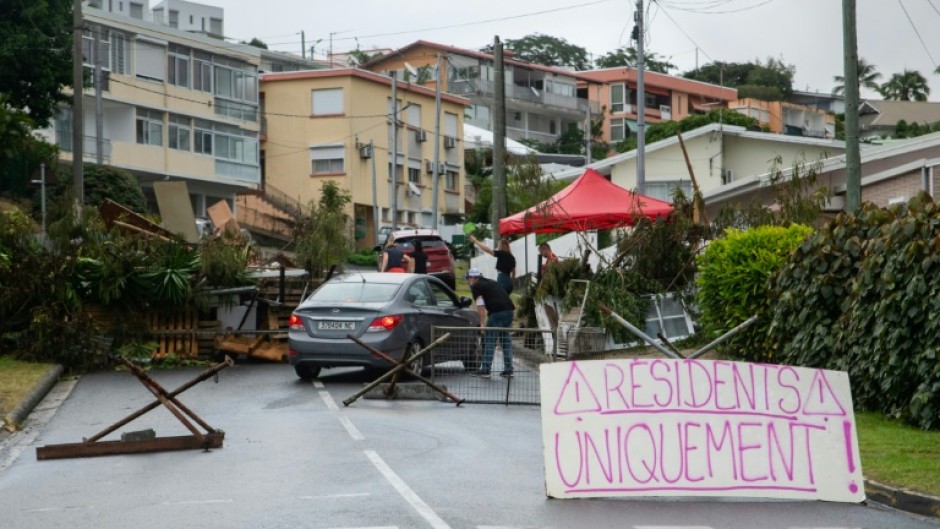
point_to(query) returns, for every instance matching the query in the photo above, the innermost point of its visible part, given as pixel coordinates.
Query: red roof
(590, 203)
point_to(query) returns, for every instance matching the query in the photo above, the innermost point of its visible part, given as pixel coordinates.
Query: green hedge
(733, 284)
(863, 296)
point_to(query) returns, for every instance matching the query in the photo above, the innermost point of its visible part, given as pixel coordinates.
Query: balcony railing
(63, 138)
(523, 93)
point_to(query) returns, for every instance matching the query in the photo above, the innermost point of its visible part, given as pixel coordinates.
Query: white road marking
(332, 496)
(43, 412)
(197, 502)
(382, 527)
(344, 420)
(409, 495)
(318, 384)
(60, 509)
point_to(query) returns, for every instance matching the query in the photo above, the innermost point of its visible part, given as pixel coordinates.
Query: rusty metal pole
(637, 332)
(418, 376)
(352, 398)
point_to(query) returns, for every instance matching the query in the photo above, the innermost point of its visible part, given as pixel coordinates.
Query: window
(327, 159)
(618, 97)
(203, 137)
(663, 190)
(178, 133)
(149, 127)
(137, 10)
(327, 102)
(651, 101)
(413, 117)
(178, 65)
(385, 212)
(414, 175)
(202, 72)
(88, 47)
(441, 296)
(118, 53)
(618, 130)
(667, 315)
(174, 18)
(450, 124)
(149, 60)
(234, 144)
(451, 179)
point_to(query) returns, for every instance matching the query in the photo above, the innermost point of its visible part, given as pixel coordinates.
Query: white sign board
(658, 427)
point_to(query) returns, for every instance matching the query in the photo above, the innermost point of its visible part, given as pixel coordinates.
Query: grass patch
(16, 380)
(897, 454)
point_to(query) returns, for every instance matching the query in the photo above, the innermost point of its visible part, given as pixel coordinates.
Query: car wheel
(418, 365)
(307, 372)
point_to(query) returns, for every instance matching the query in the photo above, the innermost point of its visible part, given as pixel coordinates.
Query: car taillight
(295, 323)
(384, 323)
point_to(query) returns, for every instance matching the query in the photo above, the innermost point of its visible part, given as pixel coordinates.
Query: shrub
(733, 284)
(862, 296)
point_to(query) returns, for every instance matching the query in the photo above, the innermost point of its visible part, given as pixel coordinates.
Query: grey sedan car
(393, 313)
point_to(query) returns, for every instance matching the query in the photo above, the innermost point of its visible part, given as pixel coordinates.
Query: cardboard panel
(176, 211)
(662, 427)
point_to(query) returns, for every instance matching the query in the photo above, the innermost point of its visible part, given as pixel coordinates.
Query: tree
(626, 56)
(547, 51)
(667, 129)
(909, 85)
(867, 78)
(36, 54)
(358, 56)
(323, 237)
(774, 73)
(256, 42)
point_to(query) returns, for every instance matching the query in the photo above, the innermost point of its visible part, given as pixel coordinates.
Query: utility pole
(303, 46)
(375, 192)
(393, 150)
(498, 206)
(435, 174)
(853, 162)
(587, 135)
(640, 105)
(78, 82)
(99, 115)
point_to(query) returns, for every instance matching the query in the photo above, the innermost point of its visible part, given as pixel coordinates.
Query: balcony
(63, 138)
(523, 93)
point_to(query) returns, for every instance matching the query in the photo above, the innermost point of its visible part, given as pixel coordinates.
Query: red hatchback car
(440, 259)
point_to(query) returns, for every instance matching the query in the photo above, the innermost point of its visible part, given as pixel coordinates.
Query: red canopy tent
(590, 203)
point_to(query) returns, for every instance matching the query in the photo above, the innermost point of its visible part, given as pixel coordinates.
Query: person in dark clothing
(495, 308)
(505, 262)
(419, 259)
(394, 260)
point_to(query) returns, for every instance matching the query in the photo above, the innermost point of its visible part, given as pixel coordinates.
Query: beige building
(334, 125)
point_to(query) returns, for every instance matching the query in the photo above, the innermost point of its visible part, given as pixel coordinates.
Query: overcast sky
(804, 33)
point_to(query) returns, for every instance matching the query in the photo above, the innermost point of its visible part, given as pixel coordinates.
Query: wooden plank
(106, 448)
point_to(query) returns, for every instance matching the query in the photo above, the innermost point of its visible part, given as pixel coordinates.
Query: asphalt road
(294, 456)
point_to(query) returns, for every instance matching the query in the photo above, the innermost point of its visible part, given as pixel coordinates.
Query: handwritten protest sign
(662, 427)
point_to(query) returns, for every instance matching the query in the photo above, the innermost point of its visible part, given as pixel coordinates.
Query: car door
(449, 313)
(419, 296)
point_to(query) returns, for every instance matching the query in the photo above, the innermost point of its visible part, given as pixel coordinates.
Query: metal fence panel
(458, 375)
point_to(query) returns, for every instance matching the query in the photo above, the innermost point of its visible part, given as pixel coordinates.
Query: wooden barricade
(175, 333)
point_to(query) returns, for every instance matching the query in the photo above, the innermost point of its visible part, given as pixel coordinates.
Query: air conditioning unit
(727, 176)
(665, 109)
(365, 151)
(449, 143)
(421, 135)
(429, 166)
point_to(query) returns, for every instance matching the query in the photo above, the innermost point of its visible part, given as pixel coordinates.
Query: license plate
(336, 325)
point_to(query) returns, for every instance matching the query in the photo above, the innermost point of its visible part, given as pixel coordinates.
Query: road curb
(904, 500)
(15, 418)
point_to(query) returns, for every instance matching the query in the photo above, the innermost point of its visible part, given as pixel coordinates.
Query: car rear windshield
(426, 242)
(355, 292)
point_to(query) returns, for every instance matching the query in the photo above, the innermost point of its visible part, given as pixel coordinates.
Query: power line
(679, 27)
(921, 39)
(465, 24)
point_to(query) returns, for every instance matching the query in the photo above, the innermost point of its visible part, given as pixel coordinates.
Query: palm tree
(909, 85)
(867, 78)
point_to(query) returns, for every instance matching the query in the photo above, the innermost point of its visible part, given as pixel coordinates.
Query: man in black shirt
(495, 304)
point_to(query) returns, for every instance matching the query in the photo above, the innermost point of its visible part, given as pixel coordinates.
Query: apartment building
(174, 105)
(334, 124)
(541, 102)
(191, 17)
(665, 98)
(788, 118)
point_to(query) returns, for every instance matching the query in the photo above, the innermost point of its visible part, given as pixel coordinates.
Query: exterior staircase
(269, 213)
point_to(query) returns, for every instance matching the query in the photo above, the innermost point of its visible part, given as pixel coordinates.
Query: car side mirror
(465, 301)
